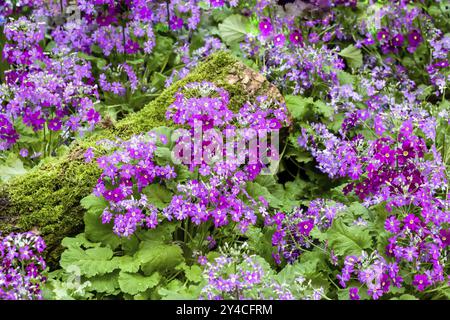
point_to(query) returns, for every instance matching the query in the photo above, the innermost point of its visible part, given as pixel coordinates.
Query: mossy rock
(47, 198)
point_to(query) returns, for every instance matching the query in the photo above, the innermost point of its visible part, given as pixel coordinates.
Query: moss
(47, 198)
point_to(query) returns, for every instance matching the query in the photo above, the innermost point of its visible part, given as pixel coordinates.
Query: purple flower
(274, 124)
(355, 171)
(353, 293)
(411, 222)
(176, 23)
(279, 40)
(92, 116)
(202, 260)
(131, 47)
(313, 37)
(305, 227)
(421, 281)
(89, 155)
(414, 38)
(397, 40)
(383, 36)
(21, 266)
(410, 253)
(211, 242)
(368, 41)
(385, 283)
(217, 3)
(104, 20)
(441, 64)
(296, 37)
(392, 224)
(445, 237)
(23, 152)
(265, 27)
(54, 124)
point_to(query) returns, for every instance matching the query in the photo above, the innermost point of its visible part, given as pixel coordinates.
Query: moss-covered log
(47, 198)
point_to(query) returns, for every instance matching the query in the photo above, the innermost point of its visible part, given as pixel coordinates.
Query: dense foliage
(353, 203)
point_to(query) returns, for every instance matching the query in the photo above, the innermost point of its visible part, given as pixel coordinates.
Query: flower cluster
(421, 240)
(293, 231)
(21, 266)
(328, 150)
(57, 98)
(239, 278)
(8, 134)
(371, 270)
(295, 68)
(24, 36)
(210, 113)
(405, 175)
(211, 108)
(395, 167)
(396, 26)
(127, 172)
(220, 193)
(438, 69)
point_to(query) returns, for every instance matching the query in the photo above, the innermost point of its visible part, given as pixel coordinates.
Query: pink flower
(265, 27)
(279, 40)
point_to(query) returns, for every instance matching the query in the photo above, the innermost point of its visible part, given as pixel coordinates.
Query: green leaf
(78, 241)
(158, 79)
(136, 62)
(345, 77)
(234, 29)
(346, 240)
(91, 262)
(343, 294)
(356, 210)
(260, 241)
(94, 203)
(301, 156)
(13, 167)
(445, 7)
(193, 273)
(164, 154)
(158, 195)
(50, 46)
(95, 230)
(298, 106)
(156, 256)
(163, 233)
(136, 283)
(100, 62)
(406, 297)
(323, 109)
(255, 190)
(317, 234)
(107, 283)
(306, 267)
(445, 292)
(175, 290)
(353, 56)
(297, 187)
(127, 263)
(267, 181)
